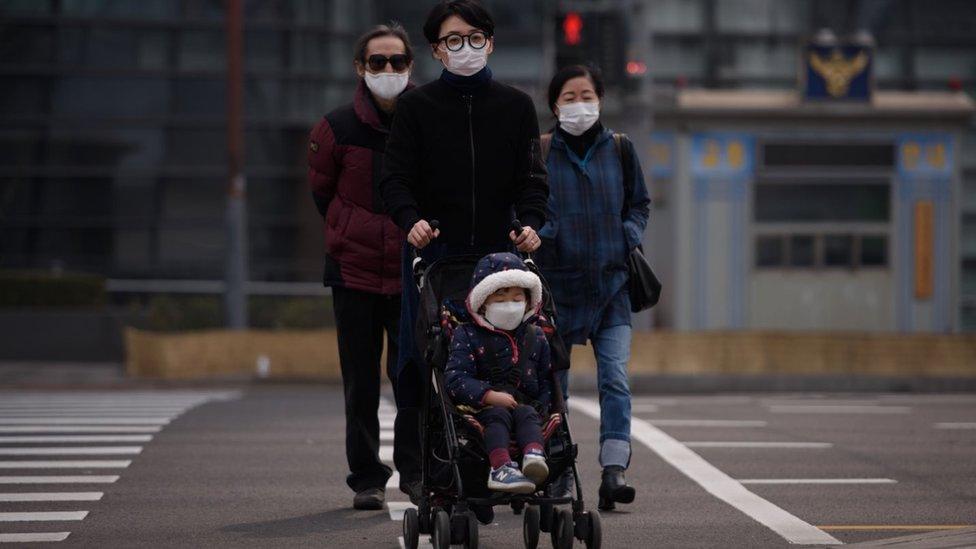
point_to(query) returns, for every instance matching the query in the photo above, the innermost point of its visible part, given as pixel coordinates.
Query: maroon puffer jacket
(344, 157)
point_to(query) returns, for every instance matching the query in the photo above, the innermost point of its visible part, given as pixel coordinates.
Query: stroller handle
(419, 265)
(517, 228)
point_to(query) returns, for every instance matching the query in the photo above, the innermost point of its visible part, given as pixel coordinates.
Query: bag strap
(627, 166)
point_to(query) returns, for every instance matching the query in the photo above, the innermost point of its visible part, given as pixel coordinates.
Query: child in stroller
(454, 497)
(498, 369)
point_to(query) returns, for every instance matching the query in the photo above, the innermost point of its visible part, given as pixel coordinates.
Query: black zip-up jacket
(470, 160)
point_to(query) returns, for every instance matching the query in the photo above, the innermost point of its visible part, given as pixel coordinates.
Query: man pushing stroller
(499, 369)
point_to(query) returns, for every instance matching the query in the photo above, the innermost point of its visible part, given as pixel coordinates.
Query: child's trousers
(501, 423)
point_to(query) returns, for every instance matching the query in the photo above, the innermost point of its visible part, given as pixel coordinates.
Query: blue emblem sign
(838, 72)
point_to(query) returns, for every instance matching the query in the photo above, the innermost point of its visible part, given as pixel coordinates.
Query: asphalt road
(265, 467)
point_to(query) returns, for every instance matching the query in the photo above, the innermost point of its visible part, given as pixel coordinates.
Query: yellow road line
(881, 527)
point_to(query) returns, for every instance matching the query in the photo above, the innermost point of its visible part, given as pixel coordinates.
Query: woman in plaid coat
(594, 220)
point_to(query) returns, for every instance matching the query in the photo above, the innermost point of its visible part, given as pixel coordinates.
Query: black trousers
(361, 320)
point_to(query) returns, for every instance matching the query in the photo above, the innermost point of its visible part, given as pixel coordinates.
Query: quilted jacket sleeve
(323, 165)
(544, 371)
(461, 371)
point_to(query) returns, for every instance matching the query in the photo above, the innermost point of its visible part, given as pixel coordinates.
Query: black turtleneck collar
(467, 84)
(579, 144)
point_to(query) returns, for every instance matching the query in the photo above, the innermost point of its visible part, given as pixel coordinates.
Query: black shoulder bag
(644, 286)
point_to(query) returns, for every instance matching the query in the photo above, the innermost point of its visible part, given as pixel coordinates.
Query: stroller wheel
(530, 527)
(547, 517)
(411, 529)
(440, 536)
(594, 532)
(471, 542)
(562, 529)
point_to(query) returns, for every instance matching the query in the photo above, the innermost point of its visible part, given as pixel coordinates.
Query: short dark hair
(566, 74)
(471, 11)
(393, 29)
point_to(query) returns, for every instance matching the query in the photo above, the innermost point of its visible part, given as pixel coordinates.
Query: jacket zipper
(467, 99)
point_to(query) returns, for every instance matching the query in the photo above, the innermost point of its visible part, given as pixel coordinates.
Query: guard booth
(777, 211)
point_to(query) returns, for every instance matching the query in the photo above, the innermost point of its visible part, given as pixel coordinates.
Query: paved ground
(264, 467)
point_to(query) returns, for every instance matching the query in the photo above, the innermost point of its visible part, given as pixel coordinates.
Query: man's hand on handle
(422, 234)
(527, 240)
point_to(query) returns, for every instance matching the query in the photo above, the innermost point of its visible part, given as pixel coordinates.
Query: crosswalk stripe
(34, 537)
(394, 482)
(60, 479)
(43, 516)
(817, 481)
(959, 425)
(386, 423)
(386, 453)
(51, 496)
(4, 439)
(396, 508)
(748, 444)
(93, 464)
(707, 423)
(840, 409)
(716, 482)
(84, 420)
(643, 408)
(74, 450)
(93, 405)
(83, 414)
(79, 429)
(386, 436)
(424, 543)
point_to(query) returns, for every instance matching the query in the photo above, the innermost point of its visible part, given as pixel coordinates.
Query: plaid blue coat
(586, 241)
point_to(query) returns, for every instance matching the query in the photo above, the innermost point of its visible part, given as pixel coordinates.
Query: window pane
(822, 202)
(21, 96)
(838, 250)
(769, 251)
(801, 251)
(874, 251)
(202, 50)
(26, 44)
(829, 154)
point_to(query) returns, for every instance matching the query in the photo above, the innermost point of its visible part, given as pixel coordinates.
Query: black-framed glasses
(454, 41)
(378, 62)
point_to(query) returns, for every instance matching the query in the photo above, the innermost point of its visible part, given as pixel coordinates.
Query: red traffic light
(636, 68)
(572, 29)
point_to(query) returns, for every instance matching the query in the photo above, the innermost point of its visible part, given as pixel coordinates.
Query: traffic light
(597, 38)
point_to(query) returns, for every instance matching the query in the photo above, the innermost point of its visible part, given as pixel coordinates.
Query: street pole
(235, 271)
(642, 103)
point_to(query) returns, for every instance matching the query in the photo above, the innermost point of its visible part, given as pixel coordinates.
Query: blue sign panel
(722, 155)
(838, 72)
(661, 155)
(925, 155)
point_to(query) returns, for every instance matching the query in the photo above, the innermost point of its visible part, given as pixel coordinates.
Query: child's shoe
(534, 466)
(508, 478)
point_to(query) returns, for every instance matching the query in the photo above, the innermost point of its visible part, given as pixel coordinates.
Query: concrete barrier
(312, 354)
(291, 354)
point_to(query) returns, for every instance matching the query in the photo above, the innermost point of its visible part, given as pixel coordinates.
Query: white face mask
(506, 315)
(467, 60)
(387, 85)
(578, 117)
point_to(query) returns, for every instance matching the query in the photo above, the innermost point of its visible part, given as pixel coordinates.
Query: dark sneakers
(614, 489)
(370, 499)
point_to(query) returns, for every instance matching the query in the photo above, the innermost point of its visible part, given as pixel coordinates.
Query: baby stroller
(454, 459)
